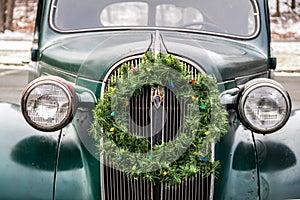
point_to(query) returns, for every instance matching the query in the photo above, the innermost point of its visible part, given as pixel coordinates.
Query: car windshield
(230, 17)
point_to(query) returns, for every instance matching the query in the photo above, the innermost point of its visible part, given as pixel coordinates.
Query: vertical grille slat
(115, 184)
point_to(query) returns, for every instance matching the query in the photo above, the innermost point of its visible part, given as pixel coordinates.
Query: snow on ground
(16, 36)
(288, 56)
(287, 31)
(14, 48)
(287, 26)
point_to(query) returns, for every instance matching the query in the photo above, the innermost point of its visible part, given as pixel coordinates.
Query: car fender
(78, 168)
(237, 176)
(255, 164)
(279, 161)
(28, 157)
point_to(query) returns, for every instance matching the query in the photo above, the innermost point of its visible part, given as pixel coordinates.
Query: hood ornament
(157, 46)
(157, 96)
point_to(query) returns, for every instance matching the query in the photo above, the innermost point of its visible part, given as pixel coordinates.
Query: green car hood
(91, 55)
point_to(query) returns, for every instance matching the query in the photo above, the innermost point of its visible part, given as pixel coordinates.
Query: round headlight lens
(264, 106)
(48, 103)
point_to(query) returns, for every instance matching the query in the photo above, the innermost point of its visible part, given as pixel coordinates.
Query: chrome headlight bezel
(40, 103)
(261, 86)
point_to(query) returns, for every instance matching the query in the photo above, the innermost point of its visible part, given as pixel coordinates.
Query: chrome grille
(114, 72)
(115, 184)
(118, 186)
(191, 189)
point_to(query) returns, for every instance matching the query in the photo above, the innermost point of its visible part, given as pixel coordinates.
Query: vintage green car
(154, 62)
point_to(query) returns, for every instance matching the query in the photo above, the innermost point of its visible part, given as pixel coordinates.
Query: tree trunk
(277, 9)
(9, 14)
(2, 15)
(293, 4)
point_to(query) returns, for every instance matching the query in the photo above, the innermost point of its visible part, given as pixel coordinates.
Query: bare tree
(293, 4)
(277, 14)
(6, 14)
(9, 14)
(2, 15)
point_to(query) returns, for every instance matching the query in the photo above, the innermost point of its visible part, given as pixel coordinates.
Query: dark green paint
(28, 157)
(90, 57)
(236, 178)
(34, 152)
(76, 181)
(65, 164)
(279, 161)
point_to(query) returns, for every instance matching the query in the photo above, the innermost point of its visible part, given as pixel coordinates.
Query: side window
(73, 14)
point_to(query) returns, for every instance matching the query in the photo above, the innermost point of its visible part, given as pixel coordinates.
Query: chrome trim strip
(255, 8)
(238, 80)
(212, 182)
(57, 69)
(101, 157)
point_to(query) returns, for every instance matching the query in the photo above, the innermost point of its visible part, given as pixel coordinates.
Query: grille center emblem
(157, 96)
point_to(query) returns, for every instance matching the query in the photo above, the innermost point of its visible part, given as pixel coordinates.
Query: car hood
(91, 56)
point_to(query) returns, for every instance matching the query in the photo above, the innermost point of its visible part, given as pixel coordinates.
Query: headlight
(264, 106)
(48, 103)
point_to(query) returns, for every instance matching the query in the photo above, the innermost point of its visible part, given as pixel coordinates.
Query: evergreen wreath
(174, 161)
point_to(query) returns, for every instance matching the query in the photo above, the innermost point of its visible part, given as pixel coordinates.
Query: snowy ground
(288, 31)
(15, 36)
(288, 56)
(14, 48)
(14, 53)
(287, 26)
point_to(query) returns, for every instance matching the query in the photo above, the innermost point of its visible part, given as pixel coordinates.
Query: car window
(232, 17)
(173, 15)
(125, 14)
